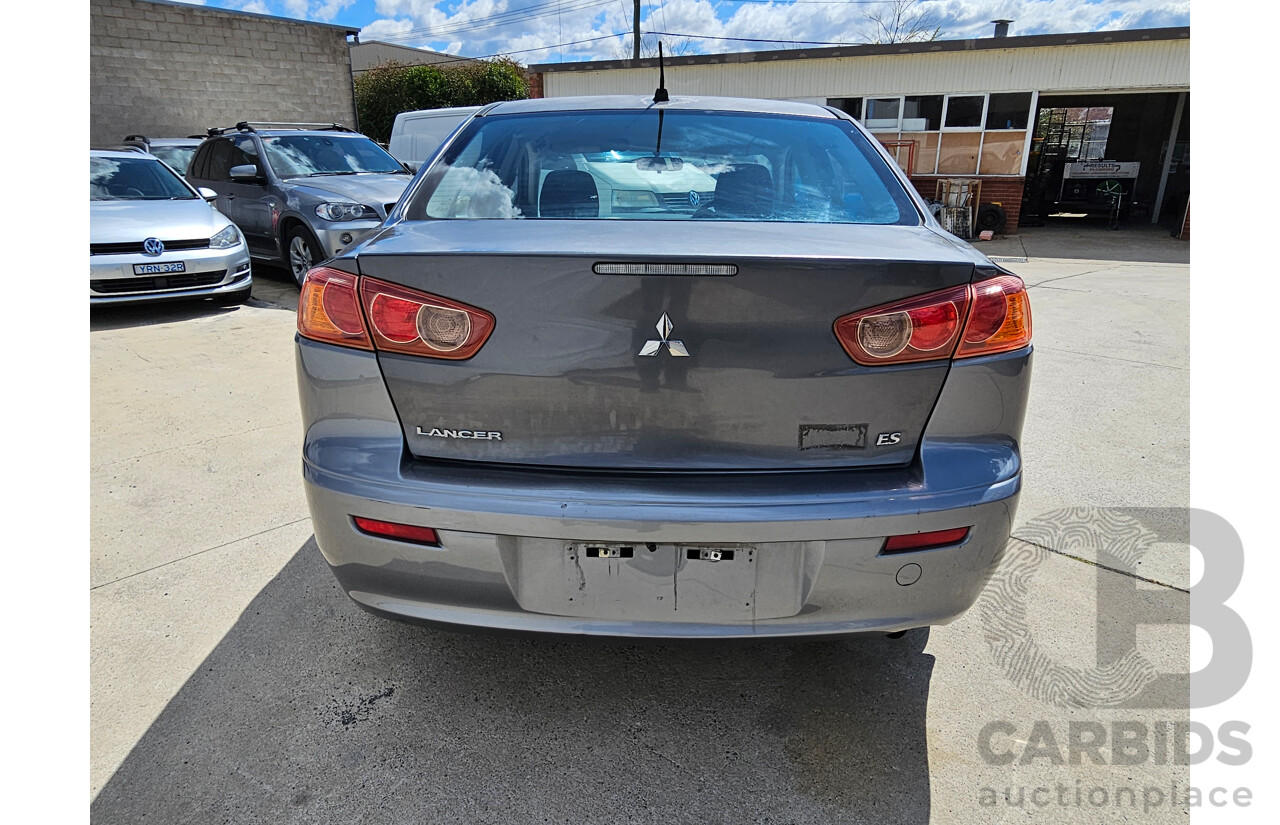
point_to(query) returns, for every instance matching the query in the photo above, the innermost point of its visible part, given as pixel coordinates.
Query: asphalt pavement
(232, 681)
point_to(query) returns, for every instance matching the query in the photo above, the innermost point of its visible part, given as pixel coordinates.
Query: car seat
(569, 193)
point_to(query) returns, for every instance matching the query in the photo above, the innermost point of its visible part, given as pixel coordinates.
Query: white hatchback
(152, 237)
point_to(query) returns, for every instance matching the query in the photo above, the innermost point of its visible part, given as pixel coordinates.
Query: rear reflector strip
(665, 269)
(925, 541)
(400, 532)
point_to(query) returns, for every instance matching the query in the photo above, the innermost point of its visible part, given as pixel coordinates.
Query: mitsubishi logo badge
(664, 328)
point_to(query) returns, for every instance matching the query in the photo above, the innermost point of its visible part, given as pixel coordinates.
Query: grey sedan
(152, 237)
(783, 403)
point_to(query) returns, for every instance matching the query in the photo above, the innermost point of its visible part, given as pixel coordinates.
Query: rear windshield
(179, 157)
(662, 165)
(134, 179)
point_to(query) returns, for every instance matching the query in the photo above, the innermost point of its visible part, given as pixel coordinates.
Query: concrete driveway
(232, 681)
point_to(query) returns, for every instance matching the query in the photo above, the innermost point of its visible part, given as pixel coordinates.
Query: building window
(883, 113)
(965, 111)
(1009, 111)
(963, 134)
(922, 113)
(851, 106)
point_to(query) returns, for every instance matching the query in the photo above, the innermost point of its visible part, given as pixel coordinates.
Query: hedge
(387, 90)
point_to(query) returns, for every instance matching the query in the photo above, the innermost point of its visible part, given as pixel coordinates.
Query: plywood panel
(1002, 153)
(959, 153)
(926, 151)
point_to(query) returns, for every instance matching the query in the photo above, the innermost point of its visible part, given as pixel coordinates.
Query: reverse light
(417, 323)
(329, 309)
(400, 532)
(988, 317)
(925, 541)
(923, 328)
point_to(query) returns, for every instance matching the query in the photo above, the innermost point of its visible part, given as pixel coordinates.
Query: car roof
(114, 153)
(175, 141)
(280, 132)
(745, 105)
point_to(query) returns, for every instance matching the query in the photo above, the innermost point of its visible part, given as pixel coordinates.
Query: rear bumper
(515, 575)
(507, 534)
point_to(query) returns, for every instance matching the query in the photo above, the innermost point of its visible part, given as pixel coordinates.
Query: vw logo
(694, 198)
(153, 246)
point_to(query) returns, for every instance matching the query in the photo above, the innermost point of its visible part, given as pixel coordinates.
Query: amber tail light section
(329, 309)
(999, 319)
(988, 317)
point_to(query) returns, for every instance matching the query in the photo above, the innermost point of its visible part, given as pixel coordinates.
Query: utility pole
(635, 31)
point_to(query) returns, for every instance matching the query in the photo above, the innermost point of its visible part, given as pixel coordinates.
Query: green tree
(391, 88)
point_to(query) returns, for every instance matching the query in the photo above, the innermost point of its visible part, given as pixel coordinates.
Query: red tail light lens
(417, 323)
(1000, 319)
(995, 316)
(917, 329)
(329, 309)
(393, 530)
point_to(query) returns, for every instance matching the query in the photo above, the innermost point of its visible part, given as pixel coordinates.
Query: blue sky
(536, 31)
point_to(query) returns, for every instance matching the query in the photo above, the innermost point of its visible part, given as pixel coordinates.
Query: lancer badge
(664, 327)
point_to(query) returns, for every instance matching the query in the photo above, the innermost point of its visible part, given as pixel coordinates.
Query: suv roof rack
(142, 138)
(255, 125)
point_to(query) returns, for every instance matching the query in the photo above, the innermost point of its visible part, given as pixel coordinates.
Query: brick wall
(1003, 190)
(174, 70)
(535, 84)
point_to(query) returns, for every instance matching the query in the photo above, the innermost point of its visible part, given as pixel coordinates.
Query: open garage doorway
(1104, 160)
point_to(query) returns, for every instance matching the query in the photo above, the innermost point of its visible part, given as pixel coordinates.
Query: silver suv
(300, 192)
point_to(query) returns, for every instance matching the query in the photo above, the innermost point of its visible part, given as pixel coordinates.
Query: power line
(525, 51)
(492, 21)
(754, 39)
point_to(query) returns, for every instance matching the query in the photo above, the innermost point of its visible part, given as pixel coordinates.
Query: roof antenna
(660, 94)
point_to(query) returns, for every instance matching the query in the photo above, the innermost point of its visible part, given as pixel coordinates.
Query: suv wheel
(303, 251)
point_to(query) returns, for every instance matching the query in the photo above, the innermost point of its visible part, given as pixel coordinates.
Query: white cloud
(485, 27)
(329, 9)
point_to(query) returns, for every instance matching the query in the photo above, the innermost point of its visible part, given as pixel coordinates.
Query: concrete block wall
(167, 70)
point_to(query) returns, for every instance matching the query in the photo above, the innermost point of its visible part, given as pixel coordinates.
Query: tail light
(416, 323)
(999, 320)
(917, 329)
(329, 309)
(976, 319)
(334, 306)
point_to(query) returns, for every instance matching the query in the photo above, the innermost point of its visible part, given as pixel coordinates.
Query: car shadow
(125, 316)
(310, 710)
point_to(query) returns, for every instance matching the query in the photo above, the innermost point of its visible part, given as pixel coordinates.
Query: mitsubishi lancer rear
(701, 367)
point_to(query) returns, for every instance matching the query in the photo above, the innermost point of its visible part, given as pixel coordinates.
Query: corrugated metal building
(365, 56)
(1031, 117)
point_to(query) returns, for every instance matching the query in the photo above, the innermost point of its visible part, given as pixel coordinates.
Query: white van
(415, 135)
